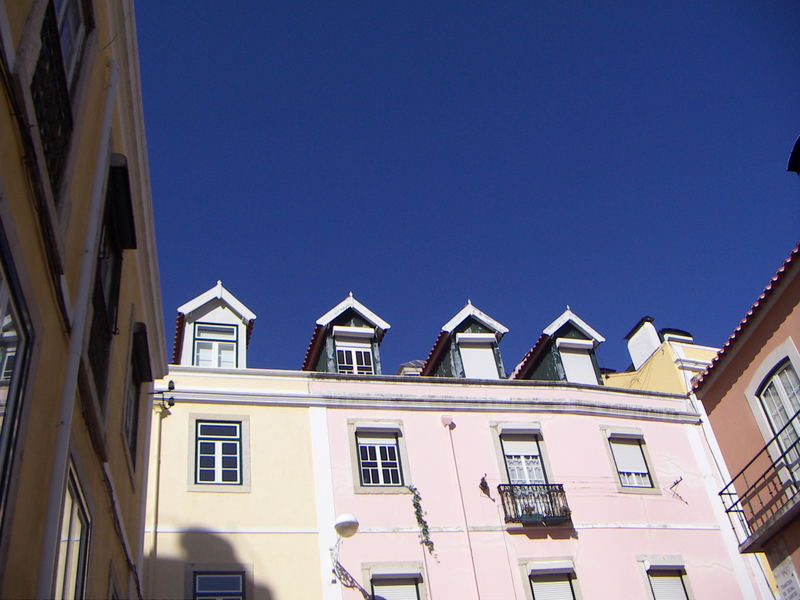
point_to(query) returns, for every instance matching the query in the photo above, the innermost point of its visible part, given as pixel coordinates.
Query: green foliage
(424, 530)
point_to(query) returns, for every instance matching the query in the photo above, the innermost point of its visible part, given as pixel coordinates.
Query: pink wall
(608, 530)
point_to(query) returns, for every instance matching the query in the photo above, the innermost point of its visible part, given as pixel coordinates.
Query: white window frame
(216, 345)
(529, 462)
(407, 572)
(354, 351)
(72, 561)
(474, 345)
(664, 565)
(556, 567)
(388, 429)
(379, 458)
(193, 462)
(629, 435)
(229, 594)
(220, 444)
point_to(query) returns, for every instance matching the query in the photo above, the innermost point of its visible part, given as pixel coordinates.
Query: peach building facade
(751, 393)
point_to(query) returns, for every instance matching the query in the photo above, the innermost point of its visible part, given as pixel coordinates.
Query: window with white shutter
(578, 366)
(667, 585)
(630, 462)
(553, 586)
(395, 589)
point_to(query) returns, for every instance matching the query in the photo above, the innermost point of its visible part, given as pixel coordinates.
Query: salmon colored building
(751, 393)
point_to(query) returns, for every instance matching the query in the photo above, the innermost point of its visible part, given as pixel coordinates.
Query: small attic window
(215, 346)
(576, 358)
(477, 355)
(354, 350)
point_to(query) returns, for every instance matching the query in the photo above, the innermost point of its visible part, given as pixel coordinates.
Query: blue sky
(625, 160)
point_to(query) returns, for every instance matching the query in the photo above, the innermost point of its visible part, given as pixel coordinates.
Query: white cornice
(218, 292)
(351, 302)
(569, 316)
(471, 311)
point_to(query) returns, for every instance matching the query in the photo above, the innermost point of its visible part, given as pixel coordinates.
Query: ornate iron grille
(51, 100)
(537, 503)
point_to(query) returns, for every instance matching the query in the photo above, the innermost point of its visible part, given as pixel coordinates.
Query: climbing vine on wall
(424, 530)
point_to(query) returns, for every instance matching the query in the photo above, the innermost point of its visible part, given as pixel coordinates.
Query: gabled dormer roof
(445, 335)
(570, 317)
(536, 352)
(326, 322)
(210, 299)
(351, 302)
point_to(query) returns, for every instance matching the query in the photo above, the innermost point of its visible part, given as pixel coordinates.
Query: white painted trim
(351, 302)
(323, 485)
(475, 338)
(218, 291)
(353, 332)
(520, 428)
(574, 344)
(677, 344)
(545, 567)
(682, 339)
(568, 315)
(471, 311)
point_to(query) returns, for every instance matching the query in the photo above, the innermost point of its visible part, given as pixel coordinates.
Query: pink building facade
(587, 523)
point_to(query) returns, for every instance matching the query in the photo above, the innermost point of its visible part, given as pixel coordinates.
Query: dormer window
(354, 350)
(576, 359)
(215, 346)
(477, 355)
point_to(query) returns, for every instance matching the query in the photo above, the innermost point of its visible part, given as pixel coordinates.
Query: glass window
(219, 585)
(73, 544)
(130, 415)
(379, 459)
(14, 339)
(355, 359)
(219, 452)
(215, 346)
(552, 586)
(523, 459)
(780, 399)
(395, 589)
(631, 465)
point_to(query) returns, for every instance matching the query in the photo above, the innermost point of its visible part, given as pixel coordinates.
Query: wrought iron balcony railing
(762, 496)
(534, 504)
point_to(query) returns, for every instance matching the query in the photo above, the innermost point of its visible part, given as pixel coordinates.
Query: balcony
(764, 496)
(534, 504)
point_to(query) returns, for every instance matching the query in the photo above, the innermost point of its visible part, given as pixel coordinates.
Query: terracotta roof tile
(527, 362)
(756, 307)
(433, 355)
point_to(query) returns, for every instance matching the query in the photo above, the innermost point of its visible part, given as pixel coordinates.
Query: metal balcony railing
(536, 503)
(761, 495)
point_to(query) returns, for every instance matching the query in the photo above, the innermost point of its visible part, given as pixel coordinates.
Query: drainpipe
(447, 421)
(78, 326)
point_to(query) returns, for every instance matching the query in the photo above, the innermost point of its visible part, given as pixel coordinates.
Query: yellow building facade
(80, 301)
(232, 507)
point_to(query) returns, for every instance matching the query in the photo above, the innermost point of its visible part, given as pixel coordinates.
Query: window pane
(227, 356)
(216, 332)
(218, 582)
(204, 356)
(378, 460)
(667, 585)
(630, 462)
(73, 545)
(219, 430)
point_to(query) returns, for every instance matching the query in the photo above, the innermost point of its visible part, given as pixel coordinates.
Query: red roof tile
(757, 307)
(528, 361)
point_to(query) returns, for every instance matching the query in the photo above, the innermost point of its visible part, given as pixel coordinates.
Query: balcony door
(523, 459)
(780, 399)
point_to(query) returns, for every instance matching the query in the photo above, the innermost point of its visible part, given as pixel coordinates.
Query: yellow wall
(268, 527)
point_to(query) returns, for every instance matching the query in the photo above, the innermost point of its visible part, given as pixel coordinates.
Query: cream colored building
(232, 505)
(82, 331)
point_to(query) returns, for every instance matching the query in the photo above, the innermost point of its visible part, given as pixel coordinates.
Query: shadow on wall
(211, 567)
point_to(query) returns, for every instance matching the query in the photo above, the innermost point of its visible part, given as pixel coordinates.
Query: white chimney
(643, 341)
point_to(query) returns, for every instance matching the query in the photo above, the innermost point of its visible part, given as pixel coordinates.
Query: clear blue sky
(625, 160)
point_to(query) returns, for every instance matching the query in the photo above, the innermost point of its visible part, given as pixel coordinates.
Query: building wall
(267, 526)
(610, 532)
(53, 430)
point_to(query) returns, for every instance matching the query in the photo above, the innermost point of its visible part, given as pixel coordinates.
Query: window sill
(651, 491)
(382, 489)
(218, 488)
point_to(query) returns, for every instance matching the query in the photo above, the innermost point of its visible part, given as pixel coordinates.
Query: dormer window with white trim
(354, 350)
(477, 355)
(576, 359)
(215, 345)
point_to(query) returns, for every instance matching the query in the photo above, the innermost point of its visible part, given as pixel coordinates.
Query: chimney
(643, 341)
